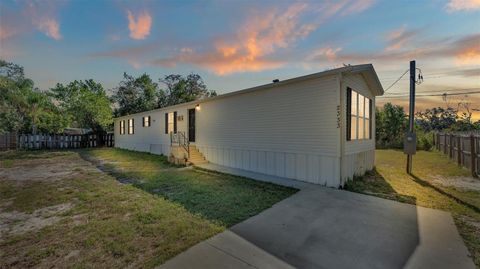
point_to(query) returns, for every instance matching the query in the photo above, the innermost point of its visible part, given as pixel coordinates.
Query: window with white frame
(146, 121)
(171, 122)
(131, 126)
(122, 127)
(359, 110)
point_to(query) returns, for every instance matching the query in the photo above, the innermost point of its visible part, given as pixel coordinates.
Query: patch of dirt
(72, 254)
(80, 219)
(50, 169)
(468, 183)
(15, 223)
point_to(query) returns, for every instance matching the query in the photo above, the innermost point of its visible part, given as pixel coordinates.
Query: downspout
(341, 111)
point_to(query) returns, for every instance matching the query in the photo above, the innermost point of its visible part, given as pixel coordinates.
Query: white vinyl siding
(359, 154)
(290, 130)
(291, 118)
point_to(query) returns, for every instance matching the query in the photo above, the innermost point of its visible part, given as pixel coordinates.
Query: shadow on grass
(373, 183)
(222, 198)
(441, 191)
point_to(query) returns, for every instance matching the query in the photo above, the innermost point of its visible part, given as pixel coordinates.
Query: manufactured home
(318, 128)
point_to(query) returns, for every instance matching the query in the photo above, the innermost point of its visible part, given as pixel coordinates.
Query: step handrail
(181, 139)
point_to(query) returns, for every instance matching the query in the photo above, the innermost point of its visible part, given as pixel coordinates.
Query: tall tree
(86, 102)
(436, 119)
(24, 107)
(180, 89)
(135, 94)
(391, 123)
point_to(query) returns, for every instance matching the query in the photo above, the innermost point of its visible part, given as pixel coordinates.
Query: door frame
(194, 125)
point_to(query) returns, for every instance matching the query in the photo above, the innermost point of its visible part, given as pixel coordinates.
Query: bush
(424, 140)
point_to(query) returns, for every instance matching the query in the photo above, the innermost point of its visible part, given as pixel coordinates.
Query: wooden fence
(463, 148)
(8, 141)
(63, 141)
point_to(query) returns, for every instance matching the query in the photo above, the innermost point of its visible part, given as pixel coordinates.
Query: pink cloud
(140, 26)
(322, 54)
(255, 43)
(43, 17)
(463, 51)
(260, 36)
(398, 38)
(357, 6)
(49, 26)
(6, 31)
(459, 5)
(29, 17)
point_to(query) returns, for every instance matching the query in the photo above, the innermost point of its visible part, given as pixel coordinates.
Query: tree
(464, 121)
(391, 123)
(141, 94)
(86, 103)
(24, 107)
(436, 119)
(180, 89)
(135, 94)
(12, 99)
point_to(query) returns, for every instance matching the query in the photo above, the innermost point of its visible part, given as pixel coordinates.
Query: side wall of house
(359, 154)
(151, 139)
(289, 131)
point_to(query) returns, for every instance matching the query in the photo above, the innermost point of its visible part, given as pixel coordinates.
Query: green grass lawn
(389, 180)
(96, 221)
(221, 198)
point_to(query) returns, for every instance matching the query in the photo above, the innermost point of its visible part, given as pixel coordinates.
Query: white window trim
(131, 127)
(361, 119)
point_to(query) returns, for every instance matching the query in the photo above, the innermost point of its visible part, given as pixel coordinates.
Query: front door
(191, 125)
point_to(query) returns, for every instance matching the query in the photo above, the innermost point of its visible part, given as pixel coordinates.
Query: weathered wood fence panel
(462, 148)
(63, 141)
(8, 141)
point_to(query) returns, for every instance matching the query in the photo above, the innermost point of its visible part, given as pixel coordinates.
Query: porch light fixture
(197, 107)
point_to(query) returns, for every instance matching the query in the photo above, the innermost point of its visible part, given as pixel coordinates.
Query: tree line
(85, 103)
(392, 122)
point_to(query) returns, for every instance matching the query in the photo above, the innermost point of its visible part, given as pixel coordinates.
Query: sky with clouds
(238, 44)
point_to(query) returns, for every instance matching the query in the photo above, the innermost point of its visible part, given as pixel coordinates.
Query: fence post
(473, 156)
(439, 142)
(450, 146)
(459, 151)
(445, 144)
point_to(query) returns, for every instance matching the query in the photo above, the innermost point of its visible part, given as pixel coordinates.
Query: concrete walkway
(327, 228)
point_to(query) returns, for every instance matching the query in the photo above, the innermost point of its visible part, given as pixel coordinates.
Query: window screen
(131, 126)
(359, 110)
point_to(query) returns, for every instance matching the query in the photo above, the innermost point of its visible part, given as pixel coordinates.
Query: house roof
(366, 70)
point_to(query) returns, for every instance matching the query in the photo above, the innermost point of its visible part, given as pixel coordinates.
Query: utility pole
(410, 143)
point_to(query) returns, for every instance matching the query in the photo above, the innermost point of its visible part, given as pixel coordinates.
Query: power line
(431, 95)
(440, 74)
(434, 91)
(398, 79)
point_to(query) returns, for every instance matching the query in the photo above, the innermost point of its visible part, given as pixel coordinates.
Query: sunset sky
(239, 44)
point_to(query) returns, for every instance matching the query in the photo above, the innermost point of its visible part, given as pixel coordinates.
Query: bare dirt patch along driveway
(58, 210)
(39, 170)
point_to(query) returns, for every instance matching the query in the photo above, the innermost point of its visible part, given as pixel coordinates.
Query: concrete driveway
(326, 228)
